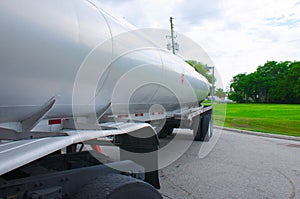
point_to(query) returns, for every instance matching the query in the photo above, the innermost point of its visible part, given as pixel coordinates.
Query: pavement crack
(177, 186)
(165, 196)
(293, 193)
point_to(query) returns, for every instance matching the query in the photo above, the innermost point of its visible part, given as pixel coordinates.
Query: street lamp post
(213, 81)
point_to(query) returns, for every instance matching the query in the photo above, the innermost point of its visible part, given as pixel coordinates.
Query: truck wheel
(196, 127)
(170, 132)
(165, 131)
(209, 130)
(204, 130)
(117, 186)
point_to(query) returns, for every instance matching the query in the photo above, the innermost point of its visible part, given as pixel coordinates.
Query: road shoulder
(286, 137)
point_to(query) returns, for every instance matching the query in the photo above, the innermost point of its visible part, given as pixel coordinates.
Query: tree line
(274, 82)
(203, 70)
(200, 68)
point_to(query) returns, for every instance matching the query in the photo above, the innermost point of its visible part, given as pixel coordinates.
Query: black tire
(165, 131)
(117, 186)
(196, 127)
(170, 132)
(207, 128)
(202, 131)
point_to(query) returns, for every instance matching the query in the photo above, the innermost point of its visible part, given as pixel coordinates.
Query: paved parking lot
(239, 166)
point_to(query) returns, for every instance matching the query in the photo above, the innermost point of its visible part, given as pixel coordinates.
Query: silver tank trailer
(85, 58)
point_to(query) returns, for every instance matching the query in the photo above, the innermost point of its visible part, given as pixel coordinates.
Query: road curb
(285, 137)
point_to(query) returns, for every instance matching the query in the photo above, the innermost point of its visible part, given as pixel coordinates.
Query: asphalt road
(238, 166)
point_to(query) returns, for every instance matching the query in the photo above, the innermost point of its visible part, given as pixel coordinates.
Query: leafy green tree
(278, 79)
(238, 88)
(274, 82)
(293, 83)
(200, 68)
(220, 93)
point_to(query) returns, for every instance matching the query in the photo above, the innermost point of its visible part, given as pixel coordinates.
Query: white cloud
(238, 35)
(142, 13)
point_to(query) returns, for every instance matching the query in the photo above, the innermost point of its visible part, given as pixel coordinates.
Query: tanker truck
(74, 78)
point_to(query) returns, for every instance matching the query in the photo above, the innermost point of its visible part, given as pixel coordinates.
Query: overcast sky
(238, 35)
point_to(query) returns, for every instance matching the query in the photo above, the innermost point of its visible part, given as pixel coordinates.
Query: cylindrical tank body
(82, 56)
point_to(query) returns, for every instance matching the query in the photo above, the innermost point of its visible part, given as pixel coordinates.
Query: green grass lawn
(270, 118)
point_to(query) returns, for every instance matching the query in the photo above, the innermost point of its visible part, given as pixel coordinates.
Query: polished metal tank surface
(85, 58)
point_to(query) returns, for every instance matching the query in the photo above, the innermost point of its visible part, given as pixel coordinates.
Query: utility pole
(174, 46)
(213, 84)
(172, 35)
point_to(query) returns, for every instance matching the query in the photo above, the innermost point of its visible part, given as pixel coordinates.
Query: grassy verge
(270, 118)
